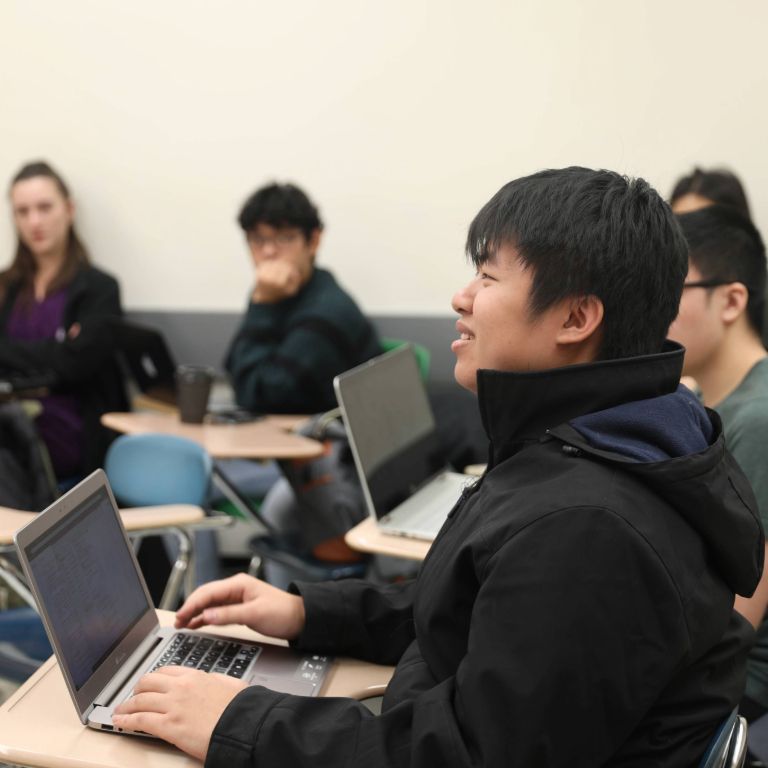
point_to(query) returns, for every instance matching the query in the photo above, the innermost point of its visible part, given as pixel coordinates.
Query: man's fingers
(149, 722)
(229, 614)
(176, 671)
(161, 680)
(215, 593)
(144, 702)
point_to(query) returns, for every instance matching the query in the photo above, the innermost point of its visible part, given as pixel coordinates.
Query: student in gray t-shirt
(721, 314)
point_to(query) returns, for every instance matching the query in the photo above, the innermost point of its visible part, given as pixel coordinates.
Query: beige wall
(400, 118)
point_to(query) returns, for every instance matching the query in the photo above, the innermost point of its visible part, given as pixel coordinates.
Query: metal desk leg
(242, 503)
(182, 567)
(13, 576)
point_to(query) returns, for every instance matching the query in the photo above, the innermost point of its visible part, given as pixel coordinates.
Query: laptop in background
(394, 442)
(148, 359)
(100, 620)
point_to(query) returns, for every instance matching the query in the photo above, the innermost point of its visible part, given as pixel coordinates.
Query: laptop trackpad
(285, 685)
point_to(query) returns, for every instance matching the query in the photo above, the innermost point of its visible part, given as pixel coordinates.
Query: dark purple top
(60, 424)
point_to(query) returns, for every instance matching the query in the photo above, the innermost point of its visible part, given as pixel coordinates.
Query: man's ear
(583, 320)
(314, 241)
(735, 298)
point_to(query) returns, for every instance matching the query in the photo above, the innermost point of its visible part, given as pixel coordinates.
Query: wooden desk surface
(39, 725)
(366, 537)
(138, 519)
(268, 438)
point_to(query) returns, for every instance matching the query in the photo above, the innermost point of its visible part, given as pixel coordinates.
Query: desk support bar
(184, 565)
(181, 580)
(242, 503)
(14, 578)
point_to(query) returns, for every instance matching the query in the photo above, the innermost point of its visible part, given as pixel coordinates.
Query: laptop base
(422, 515)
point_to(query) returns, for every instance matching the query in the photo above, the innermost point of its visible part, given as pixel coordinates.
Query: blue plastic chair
(155, 469)
(728, 748)
(151, 469)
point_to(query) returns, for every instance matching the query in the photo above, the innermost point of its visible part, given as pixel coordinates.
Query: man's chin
(465, 378)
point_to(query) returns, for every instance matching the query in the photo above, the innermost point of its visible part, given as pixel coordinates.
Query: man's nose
(269, 249)
(462, 299)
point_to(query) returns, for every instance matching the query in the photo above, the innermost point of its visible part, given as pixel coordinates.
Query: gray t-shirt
(745, 423)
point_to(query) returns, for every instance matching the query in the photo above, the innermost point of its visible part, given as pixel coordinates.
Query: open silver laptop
(100, 620)
(392, 433)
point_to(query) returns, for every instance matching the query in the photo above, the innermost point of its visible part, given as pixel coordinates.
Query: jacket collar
(517, 408)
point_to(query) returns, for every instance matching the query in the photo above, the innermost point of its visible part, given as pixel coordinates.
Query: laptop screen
(149, 361)
(86, 579)
(391, 427)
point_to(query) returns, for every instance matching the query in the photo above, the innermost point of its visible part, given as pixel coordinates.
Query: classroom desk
(39, 726)
(178, 519)
(367, 537)
(268, 438)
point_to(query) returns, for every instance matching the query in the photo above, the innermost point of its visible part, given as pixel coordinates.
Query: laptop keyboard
(427, 509)
(221, 656)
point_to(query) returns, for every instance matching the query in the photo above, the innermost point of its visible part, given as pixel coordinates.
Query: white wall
(399, 118)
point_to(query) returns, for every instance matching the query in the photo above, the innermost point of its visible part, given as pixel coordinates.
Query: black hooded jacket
(575, 609)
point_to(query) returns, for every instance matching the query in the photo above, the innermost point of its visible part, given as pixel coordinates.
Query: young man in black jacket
(577, 606)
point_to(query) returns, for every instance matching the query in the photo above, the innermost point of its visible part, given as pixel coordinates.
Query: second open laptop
(148, 359)
(100, 620)
(392, 434)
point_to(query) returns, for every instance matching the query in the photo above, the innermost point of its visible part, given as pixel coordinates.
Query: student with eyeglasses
(721, 314)
(301, 328)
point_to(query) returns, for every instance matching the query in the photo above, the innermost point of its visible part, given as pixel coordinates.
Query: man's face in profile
(699, 325)
(497, 329)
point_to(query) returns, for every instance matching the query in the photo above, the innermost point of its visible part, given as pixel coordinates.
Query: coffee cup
(193, 386)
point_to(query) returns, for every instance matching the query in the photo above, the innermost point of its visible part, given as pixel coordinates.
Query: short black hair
(725, 246)
(585, 232)
(280, 206)
(720, 186)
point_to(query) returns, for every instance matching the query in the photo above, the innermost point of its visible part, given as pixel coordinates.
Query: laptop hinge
(128, 669)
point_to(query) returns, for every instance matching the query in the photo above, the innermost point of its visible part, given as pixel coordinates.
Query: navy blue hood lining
(654, 429)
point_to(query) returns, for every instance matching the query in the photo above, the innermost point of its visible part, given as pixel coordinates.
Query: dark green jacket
(285, 355)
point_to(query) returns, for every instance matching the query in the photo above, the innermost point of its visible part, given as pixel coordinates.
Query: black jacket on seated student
(576, 609)
(53, 311)
(301, 327)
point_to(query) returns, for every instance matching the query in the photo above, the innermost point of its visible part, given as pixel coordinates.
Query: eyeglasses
(280, 240)
(706, 283)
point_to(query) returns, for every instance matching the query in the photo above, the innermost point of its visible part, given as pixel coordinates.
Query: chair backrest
(728, 748)
(150, 469)
(423, 355)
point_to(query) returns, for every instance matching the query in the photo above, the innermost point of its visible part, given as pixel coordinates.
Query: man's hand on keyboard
(179, 705)
(245, 600)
